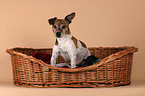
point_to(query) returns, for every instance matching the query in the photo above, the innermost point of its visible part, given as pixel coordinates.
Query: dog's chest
(65, 44)
(65, 47)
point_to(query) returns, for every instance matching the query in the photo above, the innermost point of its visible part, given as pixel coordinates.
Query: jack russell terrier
(66, 45)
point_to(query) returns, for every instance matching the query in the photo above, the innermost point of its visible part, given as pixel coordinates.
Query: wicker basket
(113, 70)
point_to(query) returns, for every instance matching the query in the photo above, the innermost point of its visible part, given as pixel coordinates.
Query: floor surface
(135, 89)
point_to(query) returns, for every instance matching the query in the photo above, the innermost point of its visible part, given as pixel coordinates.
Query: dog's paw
(73, 66)
(53, 64)
(63, 65)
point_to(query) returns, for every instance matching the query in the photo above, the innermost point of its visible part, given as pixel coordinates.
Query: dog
(66, 45)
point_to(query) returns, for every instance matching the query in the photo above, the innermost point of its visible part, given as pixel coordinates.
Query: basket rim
(106, 60)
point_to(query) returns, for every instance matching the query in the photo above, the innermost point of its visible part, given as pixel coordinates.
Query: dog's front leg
(73, 59)
(55, 54)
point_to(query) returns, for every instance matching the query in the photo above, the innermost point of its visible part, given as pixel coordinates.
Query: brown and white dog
(66, 45)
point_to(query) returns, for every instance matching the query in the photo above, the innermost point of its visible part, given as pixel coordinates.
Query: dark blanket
(89, 61)
(43, 56)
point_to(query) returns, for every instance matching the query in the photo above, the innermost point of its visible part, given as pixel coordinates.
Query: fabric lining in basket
(113, 70)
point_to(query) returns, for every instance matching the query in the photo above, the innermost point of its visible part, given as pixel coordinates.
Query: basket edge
(102, 62)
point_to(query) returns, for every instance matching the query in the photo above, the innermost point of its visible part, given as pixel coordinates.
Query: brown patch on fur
(60, 22)
(75, 41)
(56, 42)
(83, 44)
(68, 31)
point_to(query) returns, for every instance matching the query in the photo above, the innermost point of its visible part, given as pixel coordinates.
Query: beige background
(23, 23)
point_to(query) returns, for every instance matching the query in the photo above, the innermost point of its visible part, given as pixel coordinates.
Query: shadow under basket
(113, 70)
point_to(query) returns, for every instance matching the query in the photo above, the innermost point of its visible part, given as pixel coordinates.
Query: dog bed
(113, 70)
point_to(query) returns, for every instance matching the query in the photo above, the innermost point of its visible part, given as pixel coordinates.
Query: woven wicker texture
(113, 70)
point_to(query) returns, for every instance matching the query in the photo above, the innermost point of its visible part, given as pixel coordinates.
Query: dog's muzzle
(58, 34)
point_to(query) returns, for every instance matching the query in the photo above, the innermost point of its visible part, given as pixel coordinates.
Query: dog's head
(61, 26)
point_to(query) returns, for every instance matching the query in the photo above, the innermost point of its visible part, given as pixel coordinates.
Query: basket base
(72, 85)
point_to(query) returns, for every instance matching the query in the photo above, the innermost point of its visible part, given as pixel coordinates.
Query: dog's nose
(58, 34)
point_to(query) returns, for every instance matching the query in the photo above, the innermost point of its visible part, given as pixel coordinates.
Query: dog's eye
(54, 26)
(63, 27)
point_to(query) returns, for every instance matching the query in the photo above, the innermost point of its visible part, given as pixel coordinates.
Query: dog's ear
(69, 17)
(52, 20)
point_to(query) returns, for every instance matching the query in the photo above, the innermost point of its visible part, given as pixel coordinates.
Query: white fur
(67, 49)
